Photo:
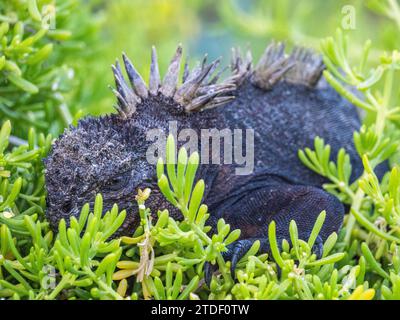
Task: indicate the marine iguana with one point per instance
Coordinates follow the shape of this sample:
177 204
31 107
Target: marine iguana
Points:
281 99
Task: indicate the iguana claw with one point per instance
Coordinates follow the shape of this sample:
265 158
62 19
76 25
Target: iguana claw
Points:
237 250
209 270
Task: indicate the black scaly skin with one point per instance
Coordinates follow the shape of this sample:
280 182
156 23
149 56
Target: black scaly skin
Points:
107 155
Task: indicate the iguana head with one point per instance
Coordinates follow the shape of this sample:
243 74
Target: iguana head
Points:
107 155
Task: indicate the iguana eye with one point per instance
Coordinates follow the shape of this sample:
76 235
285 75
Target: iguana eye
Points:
117 183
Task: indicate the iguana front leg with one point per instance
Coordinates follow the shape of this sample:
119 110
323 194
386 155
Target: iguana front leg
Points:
282 203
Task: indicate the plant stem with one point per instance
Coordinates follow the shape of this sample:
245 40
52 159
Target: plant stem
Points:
102 285
357 201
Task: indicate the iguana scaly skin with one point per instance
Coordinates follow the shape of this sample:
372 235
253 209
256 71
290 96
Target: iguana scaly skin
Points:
281 99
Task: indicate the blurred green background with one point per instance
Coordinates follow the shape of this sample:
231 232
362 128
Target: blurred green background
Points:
214 27
91 34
